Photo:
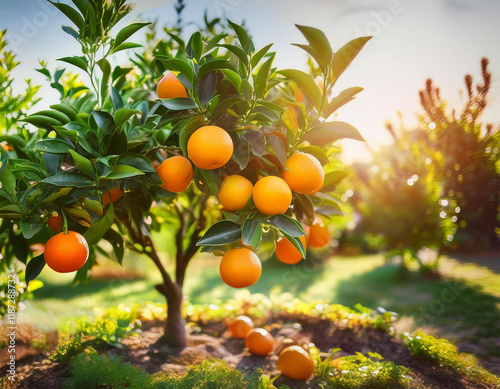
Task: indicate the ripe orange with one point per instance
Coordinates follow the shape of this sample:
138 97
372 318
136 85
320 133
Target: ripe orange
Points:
66 253
55 223
240 268
286 251
176 173
210 147
234 192
305 174
294 362
112 195
240 326
272 195
259 341
169 87
318 236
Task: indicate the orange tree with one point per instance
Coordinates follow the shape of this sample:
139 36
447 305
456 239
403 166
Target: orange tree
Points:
221 124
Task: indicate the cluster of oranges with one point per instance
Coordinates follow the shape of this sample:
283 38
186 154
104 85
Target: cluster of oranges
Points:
293 362
211 147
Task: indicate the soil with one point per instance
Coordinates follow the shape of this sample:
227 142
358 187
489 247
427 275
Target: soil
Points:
34 370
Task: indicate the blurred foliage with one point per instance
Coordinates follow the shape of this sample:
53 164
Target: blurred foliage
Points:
12 106
12 294
442 352
465 154
431 182
361 372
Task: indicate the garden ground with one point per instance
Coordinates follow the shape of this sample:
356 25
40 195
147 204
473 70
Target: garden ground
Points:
463 306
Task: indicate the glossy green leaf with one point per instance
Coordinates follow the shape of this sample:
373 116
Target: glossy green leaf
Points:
343 98
116 241
71 13
262 77
34 268
241 33
105 78
123 114
123 171
221 233
95 233
69 179
179 103
286 224
79 62
259 55
251 232
82 164
54 146
29 228
127 32
126 46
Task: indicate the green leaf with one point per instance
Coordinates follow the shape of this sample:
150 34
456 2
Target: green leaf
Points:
116 100
42 121
221 233
213 42
316 152
34 268
240 54
259 55
328 132
126 46
346 54
286 224
104 120
123 171
71 31
95 233
206 88
319 44
252 232
296 243
106 77
69 179
71 13
123 114
194 47
138 161
241 153
217 64
30 228
179 103
246 42
343 98
83 164
177 64
306 82
262 77
127 32
278 148
8 180
234 77
79 62
54 146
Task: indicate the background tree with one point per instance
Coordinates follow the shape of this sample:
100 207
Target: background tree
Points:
89 168
465 153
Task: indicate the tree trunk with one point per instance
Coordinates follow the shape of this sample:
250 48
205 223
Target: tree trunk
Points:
175 326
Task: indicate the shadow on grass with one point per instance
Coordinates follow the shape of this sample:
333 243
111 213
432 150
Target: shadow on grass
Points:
452 306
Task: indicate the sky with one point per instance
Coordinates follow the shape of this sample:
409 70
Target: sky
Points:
413 40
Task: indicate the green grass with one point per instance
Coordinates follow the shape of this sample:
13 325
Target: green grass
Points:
466 307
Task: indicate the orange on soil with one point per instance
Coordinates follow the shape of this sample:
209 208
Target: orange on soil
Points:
318 236
259 341
176 173
169 87
210 147
286 251
112 195
234 192
305 174
55 223
240 268
272 195
239 326
294 362
66 253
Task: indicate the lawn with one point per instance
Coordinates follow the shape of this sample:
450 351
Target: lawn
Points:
464 305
